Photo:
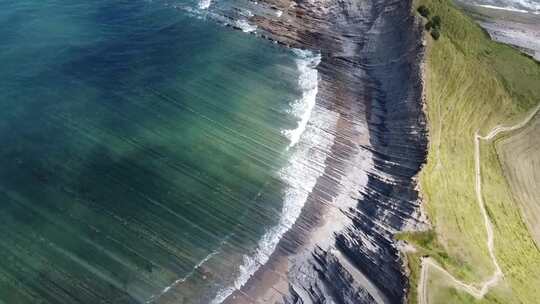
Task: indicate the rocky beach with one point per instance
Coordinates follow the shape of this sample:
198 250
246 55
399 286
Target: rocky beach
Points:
342 248
517 27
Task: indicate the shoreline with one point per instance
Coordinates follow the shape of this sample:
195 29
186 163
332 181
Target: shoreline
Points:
342 245
516 28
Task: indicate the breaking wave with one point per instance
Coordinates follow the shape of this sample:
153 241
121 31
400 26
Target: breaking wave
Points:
205 4
308 143
245 26
308 83
305 165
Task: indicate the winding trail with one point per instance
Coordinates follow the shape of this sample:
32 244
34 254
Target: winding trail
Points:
427 262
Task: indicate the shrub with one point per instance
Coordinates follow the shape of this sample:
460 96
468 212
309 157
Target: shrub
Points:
435 33
423 10
428 25
436 22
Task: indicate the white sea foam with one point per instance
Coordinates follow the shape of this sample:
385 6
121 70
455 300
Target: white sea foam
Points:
183 279
306 164
245 12
245 26
204 4
305 167
308 80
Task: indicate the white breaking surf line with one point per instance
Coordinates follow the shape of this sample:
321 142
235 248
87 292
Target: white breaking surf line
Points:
427 262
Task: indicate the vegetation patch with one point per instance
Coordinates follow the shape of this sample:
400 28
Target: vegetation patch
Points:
472 84
433 25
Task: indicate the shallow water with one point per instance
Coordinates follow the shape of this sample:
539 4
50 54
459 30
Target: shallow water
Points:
145 150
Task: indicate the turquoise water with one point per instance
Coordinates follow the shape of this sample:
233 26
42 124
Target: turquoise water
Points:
141 150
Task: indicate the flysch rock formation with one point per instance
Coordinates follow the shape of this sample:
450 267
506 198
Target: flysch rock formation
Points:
342 248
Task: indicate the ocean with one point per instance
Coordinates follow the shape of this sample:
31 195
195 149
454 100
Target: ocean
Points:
150 154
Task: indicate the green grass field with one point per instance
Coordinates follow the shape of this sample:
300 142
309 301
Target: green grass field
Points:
520 156
473 83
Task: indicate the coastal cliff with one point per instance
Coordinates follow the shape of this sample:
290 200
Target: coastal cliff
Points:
342 248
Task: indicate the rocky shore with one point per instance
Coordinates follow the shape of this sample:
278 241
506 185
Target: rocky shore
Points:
342 249
517 28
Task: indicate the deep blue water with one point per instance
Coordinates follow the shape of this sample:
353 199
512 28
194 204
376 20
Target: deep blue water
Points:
137 141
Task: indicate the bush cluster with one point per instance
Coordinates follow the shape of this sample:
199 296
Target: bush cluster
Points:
423 11
434 25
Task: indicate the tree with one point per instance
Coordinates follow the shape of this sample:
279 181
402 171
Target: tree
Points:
423 11
428 25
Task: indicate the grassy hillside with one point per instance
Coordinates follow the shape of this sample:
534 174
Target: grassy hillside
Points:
520 157
473 83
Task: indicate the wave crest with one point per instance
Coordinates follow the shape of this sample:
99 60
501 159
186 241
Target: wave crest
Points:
305 166
308 82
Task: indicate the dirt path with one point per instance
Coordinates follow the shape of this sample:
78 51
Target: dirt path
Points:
427 262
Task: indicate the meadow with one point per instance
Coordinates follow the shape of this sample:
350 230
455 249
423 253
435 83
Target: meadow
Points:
472 84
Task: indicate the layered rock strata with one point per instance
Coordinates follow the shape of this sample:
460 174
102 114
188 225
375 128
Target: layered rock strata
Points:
342 249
